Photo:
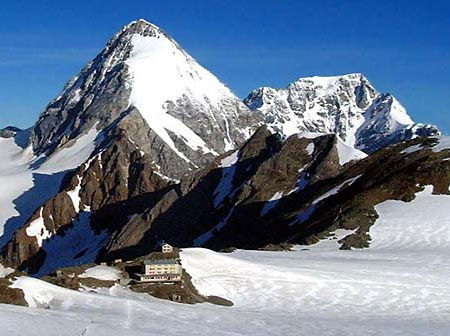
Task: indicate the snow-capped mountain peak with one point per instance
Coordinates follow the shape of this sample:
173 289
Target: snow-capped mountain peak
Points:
161 72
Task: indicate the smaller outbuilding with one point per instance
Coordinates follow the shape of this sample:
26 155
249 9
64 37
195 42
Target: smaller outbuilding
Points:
166 248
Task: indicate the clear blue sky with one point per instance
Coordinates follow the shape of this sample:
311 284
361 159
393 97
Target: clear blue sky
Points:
403 47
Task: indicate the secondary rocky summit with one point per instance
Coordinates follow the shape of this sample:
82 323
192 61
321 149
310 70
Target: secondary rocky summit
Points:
347 105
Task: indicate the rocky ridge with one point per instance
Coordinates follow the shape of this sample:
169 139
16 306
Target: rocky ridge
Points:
275 192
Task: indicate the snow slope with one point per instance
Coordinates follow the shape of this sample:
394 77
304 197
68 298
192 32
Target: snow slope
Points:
64 251
15 178
399 286
162 72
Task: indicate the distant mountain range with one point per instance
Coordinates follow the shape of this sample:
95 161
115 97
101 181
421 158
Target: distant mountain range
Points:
145 145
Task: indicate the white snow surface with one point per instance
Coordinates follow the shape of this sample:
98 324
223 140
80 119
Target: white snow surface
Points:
102 272
15 178
399 286
422 225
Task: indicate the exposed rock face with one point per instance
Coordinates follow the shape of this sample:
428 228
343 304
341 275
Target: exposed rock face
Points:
348 106
10 295
176 111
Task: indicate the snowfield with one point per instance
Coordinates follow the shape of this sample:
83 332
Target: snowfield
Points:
399 286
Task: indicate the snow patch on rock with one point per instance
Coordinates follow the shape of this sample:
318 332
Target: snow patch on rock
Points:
336 189
225 186
5 271
271 203
37 229
75 196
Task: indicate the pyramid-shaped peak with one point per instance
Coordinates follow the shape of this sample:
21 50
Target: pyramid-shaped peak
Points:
145 77
140 27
